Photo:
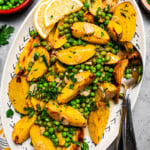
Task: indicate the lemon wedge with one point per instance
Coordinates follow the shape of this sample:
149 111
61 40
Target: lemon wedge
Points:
39 20
57 9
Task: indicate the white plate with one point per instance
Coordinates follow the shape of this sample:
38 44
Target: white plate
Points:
112 128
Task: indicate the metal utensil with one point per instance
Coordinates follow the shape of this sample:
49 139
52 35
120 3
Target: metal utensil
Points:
126 126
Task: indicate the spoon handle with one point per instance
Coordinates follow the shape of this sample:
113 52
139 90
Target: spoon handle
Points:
130 140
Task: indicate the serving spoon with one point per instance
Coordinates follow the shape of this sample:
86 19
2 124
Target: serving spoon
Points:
126 132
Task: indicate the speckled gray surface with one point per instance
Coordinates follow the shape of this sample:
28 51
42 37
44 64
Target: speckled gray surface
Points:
141 112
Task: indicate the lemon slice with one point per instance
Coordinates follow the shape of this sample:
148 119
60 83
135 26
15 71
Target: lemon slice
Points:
57 9
39 20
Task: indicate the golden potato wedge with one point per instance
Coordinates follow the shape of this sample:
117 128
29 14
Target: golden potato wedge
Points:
23 61
21 130
115 30
66 114
114 59
37 103
83 80
40 66
50 38
105 91
59 41
76 54
90 33
50 77
59 68
78 137
94 6
89 16
39 141
118 74
19 99
110 5
127 19
97 122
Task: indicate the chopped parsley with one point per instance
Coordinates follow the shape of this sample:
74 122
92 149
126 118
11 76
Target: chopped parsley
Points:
122 14
71 86
9 113
85 146
102 34
148 1
45 61
51 16
124 10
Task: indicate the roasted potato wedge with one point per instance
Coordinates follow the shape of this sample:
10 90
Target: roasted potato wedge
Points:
94 6
59 41
78 137
97 122
50 77
66 114
118 74
127 19
22 64
114 59
22 128
90 33
40 66
39 141
115 30
110 5
50 38
105 91
59 68
19 99
76 54
83 80
37 103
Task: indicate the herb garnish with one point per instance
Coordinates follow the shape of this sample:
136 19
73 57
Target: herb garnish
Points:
5 33
122 14
45 61
9 113
85 146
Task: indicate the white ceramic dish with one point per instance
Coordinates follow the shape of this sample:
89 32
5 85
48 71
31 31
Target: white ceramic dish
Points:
112 128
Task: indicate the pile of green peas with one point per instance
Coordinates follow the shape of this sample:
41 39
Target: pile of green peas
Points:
51 127
9 4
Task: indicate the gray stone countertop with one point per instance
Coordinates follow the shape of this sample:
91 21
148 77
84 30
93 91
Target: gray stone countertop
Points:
141 111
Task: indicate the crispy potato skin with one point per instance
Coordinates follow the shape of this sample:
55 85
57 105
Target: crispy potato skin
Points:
59 41
118 74
39 67
39 141
83 80
59 68
114 30
35 102
105 91
66 114
114 59
99 36
18 99
97 122
76 54
22 128
22 64
127 19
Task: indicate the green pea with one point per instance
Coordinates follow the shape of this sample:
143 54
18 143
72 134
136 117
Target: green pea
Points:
98 74
56 123
85 19
53 84
77 105
74 43
98 66
55 141
80 42
44 43
83 105
71 16
66 144
103 74
93 100
21 1
108 58
60 28
9 4
68 35
60 128
66 20
93 70
67 45
49 124
103 53
70 40
73 102
92 94
128 71
61 75
81 13
46 134
68 139
107 17
103 14
30 64
61 33
36 44
84 8
45 84
75 19
94 61
64 134
74 70
66 31
94 88
99 61
81 110
53 136
128 76
71 21
51 130
111 70
12 2
106 22
66 129
87 67
1 2
114 51
82 66
5 7
86 5
78 66
74 107
32 33
29 68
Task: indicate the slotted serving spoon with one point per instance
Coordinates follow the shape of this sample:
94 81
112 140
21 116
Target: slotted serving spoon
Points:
126 137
